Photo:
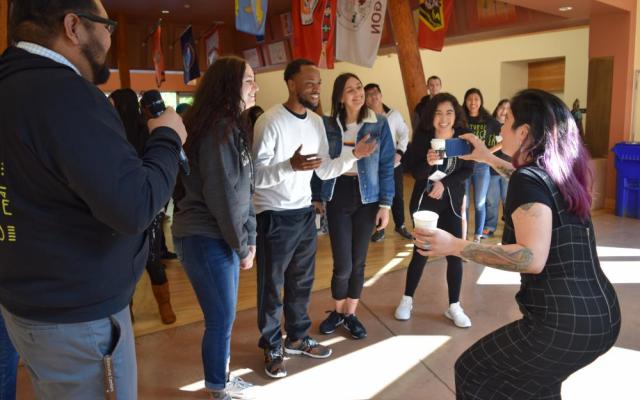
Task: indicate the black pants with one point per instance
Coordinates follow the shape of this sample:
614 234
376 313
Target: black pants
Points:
350 227
154 266
397 207
286 246
451 223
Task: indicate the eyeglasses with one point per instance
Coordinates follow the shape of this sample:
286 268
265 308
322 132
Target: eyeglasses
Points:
109 24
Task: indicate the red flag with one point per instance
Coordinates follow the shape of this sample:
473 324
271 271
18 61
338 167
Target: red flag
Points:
314 30
158 57
434 22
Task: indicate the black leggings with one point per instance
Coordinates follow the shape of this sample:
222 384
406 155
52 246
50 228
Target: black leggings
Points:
451 223
350 227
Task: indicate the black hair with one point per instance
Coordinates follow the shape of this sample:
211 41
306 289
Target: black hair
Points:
426 119
370 86
38 21
494 114
483 113
126 103
294 66
337 108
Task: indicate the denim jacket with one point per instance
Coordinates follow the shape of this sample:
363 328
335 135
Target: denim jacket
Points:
375 173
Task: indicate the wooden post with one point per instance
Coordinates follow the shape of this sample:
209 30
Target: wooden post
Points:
4 24
404 31
122 54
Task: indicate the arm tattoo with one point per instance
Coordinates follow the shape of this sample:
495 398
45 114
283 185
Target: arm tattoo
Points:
497 257
505 171
527 206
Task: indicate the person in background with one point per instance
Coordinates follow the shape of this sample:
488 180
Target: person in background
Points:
400 135
290 145
80 200
576 112
126 103
182 109
357 201
570 311
215 227
251 115
498 184
443 119
434 86
488 129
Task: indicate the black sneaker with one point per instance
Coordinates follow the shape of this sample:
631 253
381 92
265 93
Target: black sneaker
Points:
404 232
274 363
306 347
329 325
377 236
355 327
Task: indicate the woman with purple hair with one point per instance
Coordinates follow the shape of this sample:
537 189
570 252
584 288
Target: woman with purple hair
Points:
571 314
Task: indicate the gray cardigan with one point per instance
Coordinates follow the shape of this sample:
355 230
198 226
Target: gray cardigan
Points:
218 199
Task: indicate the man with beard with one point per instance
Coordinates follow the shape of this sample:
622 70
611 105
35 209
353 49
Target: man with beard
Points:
286 242
75 200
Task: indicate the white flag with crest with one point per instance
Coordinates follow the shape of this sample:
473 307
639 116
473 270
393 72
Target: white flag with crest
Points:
359 30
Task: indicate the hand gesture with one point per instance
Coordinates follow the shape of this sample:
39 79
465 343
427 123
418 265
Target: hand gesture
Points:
306 162
382 218
437 190
437 241
170 119
365 147
480 152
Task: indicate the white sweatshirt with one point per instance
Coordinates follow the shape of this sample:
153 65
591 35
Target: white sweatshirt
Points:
277 135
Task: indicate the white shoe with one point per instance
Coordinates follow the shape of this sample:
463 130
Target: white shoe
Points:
457 315
403 312
238 388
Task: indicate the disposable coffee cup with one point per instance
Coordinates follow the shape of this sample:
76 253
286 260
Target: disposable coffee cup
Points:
439 146
424 220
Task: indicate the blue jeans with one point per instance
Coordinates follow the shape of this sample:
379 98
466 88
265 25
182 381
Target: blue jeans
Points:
213 269
480 180
497 192
8 365
66 361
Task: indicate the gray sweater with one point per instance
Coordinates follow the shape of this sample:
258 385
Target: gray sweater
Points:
218 199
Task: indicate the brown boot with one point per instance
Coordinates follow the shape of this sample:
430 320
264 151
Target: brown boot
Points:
163 298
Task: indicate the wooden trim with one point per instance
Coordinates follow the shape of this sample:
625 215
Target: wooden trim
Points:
4 24
547 75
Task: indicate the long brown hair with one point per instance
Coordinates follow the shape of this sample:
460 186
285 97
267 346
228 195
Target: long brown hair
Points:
218 97
337 108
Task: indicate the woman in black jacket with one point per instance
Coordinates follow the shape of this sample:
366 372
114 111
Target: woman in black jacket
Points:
443 119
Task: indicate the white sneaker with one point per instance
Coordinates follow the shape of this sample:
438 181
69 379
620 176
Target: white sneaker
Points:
457 315
403 312
238 388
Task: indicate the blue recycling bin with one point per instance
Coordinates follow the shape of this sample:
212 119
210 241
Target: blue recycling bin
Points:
628 179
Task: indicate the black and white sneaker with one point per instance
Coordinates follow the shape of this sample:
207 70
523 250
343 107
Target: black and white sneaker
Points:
355 327
333 321
274 363
306 347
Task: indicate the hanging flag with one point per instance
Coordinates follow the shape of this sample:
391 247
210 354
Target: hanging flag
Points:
212 45
314 29
190 66
359 30
156 53
434 22
251 16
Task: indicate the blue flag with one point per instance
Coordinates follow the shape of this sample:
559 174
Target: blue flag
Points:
251 16
191 67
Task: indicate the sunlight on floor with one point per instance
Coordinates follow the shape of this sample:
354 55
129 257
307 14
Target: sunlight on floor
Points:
387 268
320 382
598 381
623 271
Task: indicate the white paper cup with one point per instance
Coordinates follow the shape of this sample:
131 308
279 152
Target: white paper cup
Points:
425 220
439 146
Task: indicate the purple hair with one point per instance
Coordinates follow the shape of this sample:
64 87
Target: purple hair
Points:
554 145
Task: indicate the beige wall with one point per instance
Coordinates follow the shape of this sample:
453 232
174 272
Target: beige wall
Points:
478 64
635 126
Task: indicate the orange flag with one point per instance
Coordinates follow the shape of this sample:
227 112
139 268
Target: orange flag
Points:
158 57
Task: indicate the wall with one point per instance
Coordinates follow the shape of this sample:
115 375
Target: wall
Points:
636 107
513 77
462 66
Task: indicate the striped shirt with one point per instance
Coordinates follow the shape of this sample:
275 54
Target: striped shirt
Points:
48 53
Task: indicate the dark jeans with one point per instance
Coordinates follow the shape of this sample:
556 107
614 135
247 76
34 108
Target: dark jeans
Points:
497 192
154 266
450 222
350 227
397 207
213 269
8 365
286 254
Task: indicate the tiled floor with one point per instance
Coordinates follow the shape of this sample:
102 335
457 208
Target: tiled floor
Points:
403 360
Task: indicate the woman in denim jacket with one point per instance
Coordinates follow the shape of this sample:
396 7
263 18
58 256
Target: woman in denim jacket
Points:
357 201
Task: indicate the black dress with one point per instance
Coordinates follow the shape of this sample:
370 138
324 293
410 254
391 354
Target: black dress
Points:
571 314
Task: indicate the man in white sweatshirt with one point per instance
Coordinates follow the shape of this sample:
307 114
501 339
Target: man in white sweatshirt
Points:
290 143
